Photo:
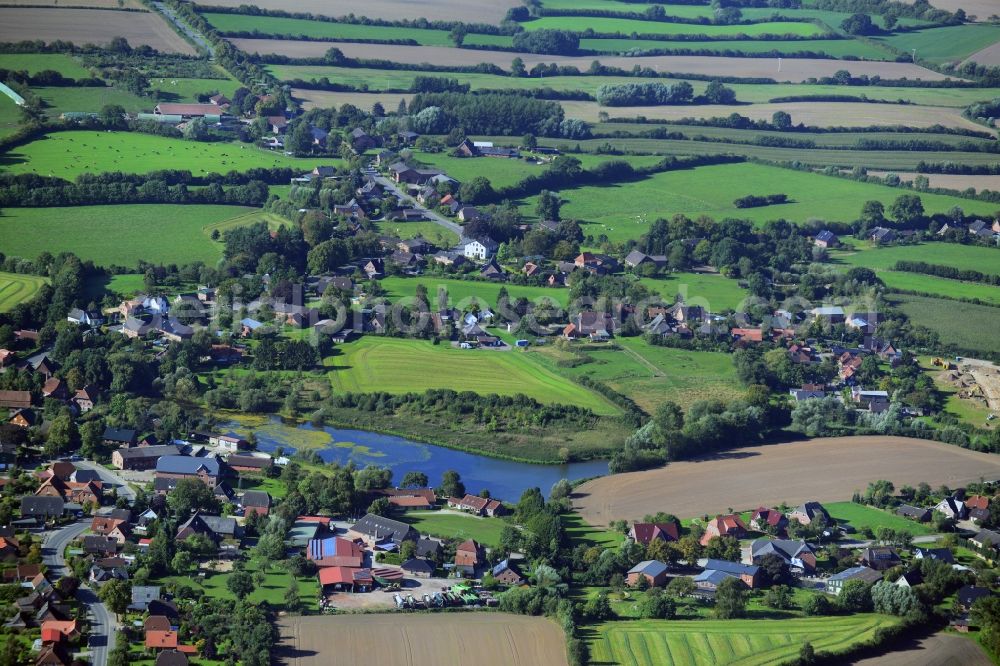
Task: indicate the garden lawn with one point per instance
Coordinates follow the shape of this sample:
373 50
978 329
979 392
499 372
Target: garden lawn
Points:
68 154
397 365
624 211
946 44
272 591
601 25
746 642
579 532
429 231
33 63
861 516
456 526
16 288
711 290
121 235
963 325
964 257
265 25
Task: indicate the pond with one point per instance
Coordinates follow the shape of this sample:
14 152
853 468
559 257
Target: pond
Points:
503 478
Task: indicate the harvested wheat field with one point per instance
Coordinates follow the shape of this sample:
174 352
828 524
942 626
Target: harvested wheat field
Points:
795 70
467 11
936 650
980 9
825 470
990 56
814 114
90 26
322 99
493 639
96 4
949 181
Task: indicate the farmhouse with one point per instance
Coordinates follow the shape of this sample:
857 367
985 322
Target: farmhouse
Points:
207 111
879 559
230 442
808 512
255 502
334 552
142 457
720 526
469 555
15 399
249 463
382 532
185 467
826 239
653 571
917 513
507 573
952 508
647 533
835 583
716 570
119 437
798 555
480 506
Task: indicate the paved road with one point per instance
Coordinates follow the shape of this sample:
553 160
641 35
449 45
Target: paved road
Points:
410 201
110 478
185 28
102 624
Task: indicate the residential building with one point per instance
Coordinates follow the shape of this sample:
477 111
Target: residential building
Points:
142 457
418 568
647 533
334 552
481 506
256 502
809 512
952 508
206 470
479 248
716 570
653 571
731 525
382 532
835 583
919 514
469 556
770 521
346 579
507 573
797 554
880 558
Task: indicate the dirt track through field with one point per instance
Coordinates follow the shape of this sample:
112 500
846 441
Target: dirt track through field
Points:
825 470
395 639
466 11
90 26
795 70
936 650
813 114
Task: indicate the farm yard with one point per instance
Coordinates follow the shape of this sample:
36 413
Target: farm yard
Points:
402 366
16 288
497 639
116 235
823 470
692 642
93 26
68 154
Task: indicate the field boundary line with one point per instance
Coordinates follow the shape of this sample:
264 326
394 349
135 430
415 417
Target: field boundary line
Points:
645 361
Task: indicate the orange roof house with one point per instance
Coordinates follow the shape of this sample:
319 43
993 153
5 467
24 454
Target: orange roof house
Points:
55 631
720 526
161 640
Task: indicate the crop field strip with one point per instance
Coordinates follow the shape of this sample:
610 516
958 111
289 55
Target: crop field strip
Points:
795 70
95 26
961 324
466 11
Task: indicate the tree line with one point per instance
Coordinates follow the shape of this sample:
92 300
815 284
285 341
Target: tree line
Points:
950 272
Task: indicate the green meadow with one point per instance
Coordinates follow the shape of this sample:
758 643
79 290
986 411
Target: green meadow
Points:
404 365
266 25
456 526
860 517
930 284
10 116
745 642
964 257
947 44
429 231
16 288
957 323
33 63
835 48
68 154
462 292
119 235
276 582
623 211
715 292
603 25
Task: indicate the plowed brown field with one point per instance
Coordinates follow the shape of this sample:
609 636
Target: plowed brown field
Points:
90 26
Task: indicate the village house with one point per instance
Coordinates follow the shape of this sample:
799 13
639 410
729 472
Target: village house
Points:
986 540
798 555
207 470
978 507
952 508
808 512
119 437
942 554
15 399
826 239
469 556
418 568
647 533
42 507
653 571
919 514
507 573
479 248
717 571
880 558
407 499
229 442
731 525
86 397
142 457
256 502
835 583
334 552
771 521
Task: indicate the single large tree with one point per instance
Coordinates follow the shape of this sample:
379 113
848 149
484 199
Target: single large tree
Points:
730 599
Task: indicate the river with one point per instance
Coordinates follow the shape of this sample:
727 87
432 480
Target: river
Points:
503 478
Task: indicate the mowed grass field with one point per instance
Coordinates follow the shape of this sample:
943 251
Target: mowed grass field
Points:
33 63
462 293
964 257
744 642
421 639
403 366
119 235
68 154
962 324
860 516
625 211
602 25
383 79
16 289
834 48
710 290
456 526
652 375
947 44
929 284
429 231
